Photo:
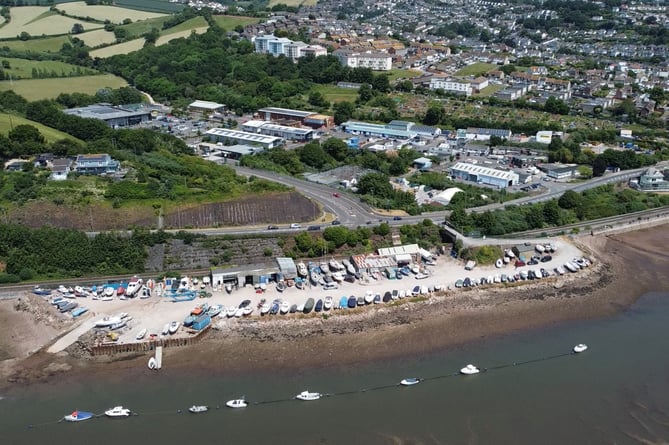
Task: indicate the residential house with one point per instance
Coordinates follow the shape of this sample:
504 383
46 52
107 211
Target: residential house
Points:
96 164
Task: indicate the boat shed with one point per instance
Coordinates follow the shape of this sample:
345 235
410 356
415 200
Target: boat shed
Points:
484 175
287 267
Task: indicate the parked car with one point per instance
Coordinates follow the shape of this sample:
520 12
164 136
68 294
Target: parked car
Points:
335 194
295 226
271 227
336 222
397 218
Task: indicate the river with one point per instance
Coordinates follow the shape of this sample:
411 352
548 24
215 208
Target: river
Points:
615 392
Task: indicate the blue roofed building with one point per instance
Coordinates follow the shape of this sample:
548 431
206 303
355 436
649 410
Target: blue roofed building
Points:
96 164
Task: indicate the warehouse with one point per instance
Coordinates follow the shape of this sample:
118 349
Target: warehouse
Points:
204 106
377 130
484 175
282 131
114 116
307 118
233 136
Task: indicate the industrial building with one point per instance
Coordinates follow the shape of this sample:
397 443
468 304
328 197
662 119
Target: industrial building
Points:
377 130
221 153
233 136
484 175
204 106
115 116
306 118
282 131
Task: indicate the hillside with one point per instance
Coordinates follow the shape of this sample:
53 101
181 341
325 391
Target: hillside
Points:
9 121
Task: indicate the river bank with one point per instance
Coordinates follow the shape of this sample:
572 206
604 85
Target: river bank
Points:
626 266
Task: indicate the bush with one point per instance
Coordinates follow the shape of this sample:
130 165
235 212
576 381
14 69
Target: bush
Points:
7 278
26 274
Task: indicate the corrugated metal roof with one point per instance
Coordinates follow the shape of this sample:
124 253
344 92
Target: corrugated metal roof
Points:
484 171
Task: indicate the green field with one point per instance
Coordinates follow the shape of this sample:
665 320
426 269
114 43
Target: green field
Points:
228 22
45 45
139 28
8 121
22 68
195 22
395 74
292 2
476 69
36 89
336 94
490 90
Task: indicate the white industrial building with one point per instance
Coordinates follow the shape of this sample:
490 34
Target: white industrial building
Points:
451 86
282 131
233 136
484 175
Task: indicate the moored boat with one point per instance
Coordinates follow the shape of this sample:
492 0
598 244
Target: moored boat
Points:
214 310
248 310
284 307
134 285
352 302
78 416
79 311
153 363
469 370
174 327
319 305
118 325
231 311
410 381
195 409
302 269
41 291
327 303
306 396
369 297
228 288
280 286
236 403
264 309
580 347
117 411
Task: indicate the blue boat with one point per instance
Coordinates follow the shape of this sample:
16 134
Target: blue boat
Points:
274 309
188 321
319 306
39 291
343 302
352 302
405 271
79 311
78 416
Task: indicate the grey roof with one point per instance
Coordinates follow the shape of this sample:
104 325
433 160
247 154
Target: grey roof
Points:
286 111
484 171
104 112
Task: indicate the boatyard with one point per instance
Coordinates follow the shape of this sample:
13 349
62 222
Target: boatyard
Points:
175 312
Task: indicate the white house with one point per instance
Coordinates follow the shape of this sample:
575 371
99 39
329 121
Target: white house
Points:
377 61
451 85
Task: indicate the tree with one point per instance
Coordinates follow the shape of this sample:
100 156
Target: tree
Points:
569 200
365 93
599 166
313 155
556 106
25 133
434 114
375 184
317 99
336 148
343 111
151 37
77 28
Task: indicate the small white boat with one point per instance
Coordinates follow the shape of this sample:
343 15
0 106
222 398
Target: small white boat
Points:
117 411
153 363
166 329
198 409
108 292
410 381
231 311
284 307
307 396
239 312
369 297
107 321
580 347
228 288
141 334
469 370
337 276
174 327
264 309
248 310
499 263
302 269
236 403
415 269
327 303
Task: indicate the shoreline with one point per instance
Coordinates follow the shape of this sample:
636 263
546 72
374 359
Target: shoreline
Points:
630 263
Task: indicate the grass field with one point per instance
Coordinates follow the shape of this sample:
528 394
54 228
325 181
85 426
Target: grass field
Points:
292 2
182 30
335 94
139 28
46 45
102 13
395 74
8 121
163 6
36 89
228 22
38 21
22 68
476 69
490 90
97 37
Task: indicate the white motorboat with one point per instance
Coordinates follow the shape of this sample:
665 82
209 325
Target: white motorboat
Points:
335 265
153 363
198 409
166 329
174 327
337 276
134 285
108 291
117 411
231 311
239 312
327 303
369 297
324 267
580 347
284 307
107 321
264 309
141 334
248 310
415 269
410 381
469 370
236 403
307 396
302 270
421 276
499 263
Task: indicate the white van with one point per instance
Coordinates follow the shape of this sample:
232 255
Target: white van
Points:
330 286
295 226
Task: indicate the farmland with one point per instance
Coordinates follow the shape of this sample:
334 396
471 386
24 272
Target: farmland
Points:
23 69
39 20
43 45
97 38
101 13
292 2
8 121
36 89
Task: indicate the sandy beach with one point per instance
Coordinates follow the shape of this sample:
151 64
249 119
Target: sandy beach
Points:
625 266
